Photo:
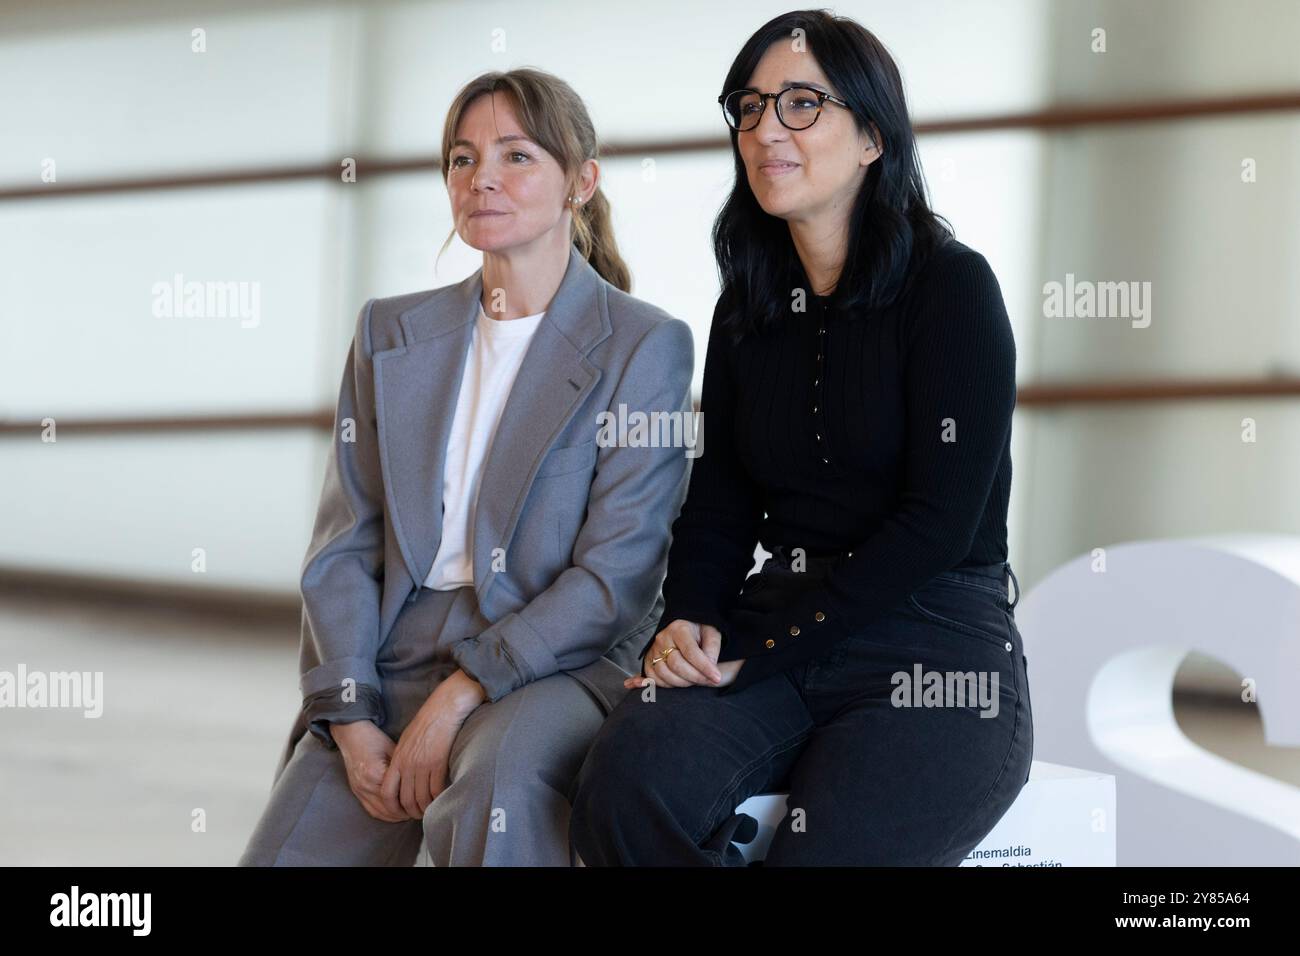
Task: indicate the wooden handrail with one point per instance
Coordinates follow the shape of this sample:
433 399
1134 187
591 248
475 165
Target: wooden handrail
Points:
1057 117
1032 396
1049 394
322 420
53 587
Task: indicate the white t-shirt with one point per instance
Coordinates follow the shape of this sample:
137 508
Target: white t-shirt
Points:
496 351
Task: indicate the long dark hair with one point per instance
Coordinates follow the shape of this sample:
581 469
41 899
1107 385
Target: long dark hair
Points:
556 119
891 226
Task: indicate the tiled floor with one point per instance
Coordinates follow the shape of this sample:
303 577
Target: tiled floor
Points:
195 714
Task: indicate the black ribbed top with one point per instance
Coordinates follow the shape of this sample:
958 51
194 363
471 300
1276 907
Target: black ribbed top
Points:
887 434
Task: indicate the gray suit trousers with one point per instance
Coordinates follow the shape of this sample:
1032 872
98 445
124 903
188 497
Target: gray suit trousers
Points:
510 775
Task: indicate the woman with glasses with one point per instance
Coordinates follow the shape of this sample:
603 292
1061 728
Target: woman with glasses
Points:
859 383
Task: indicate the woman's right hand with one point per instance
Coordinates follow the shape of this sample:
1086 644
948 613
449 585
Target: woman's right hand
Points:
367 751
694 661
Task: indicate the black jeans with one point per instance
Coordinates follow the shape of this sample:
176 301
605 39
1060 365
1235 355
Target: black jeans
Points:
882 767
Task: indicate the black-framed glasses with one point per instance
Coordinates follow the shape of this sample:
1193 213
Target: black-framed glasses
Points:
797 107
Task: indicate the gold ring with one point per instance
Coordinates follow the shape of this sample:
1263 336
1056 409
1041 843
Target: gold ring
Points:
663 657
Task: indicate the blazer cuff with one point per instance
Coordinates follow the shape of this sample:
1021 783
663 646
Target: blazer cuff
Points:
775 641
328 707
506 656
331 675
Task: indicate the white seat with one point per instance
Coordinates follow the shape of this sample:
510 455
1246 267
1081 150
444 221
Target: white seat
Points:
1063 817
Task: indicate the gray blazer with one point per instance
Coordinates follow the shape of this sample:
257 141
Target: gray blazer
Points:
584 529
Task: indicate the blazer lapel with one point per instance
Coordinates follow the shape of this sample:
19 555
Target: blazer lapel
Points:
553 381
416 387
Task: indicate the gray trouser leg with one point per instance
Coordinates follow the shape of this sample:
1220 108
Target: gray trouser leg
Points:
313 818
511 777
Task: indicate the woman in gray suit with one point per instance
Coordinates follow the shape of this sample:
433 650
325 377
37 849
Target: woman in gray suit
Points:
487 557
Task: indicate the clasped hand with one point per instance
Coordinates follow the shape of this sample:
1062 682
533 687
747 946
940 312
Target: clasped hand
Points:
692 658
396 782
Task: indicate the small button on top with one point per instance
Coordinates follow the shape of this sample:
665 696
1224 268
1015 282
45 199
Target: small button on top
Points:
794 630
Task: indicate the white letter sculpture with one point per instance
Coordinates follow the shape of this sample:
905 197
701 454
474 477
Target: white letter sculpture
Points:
1103 648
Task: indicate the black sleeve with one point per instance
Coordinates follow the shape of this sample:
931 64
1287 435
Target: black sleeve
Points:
716 533
959 386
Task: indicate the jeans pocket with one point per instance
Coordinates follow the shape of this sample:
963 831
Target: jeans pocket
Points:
970 609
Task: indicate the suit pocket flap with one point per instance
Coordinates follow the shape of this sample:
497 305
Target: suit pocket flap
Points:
567 459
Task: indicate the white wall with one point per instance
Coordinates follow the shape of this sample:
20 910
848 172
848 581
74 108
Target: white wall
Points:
116 92
1165 203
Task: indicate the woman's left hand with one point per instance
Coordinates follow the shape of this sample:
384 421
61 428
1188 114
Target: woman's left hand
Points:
728 670
417 771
